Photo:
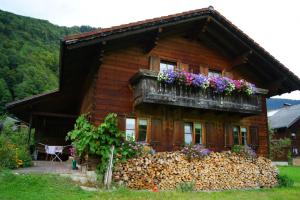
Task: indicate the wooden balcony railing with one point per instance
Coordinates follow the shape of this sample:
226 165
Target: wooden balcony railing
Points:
146 89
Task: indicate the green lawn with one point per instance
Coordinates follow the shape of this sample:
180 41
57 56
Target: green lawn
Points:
27 187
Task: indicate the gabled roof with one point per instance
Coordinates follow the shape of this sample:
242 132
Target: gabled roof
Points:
228 35
285 117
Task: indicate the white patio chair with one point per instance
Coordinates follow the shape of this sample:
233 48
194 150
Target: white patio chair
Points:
54 152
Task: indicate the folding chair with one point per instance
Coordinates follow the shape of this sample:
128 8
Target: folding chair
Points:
54 152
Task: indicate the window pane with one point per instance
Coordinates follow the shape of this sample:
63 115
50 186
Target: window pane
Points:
142 130
235 132
130 123
188 129
165 65
244 136
130 135
188 138
214 73
198 133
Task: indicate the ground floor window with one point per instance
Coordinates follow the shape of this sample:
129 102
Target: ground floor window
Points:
243 136
142 130
136 129
130 129
239 135
198 133
193 133
188 133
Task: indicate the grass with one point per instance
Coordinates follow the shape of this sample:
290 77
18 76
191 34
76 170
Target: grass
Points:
35 186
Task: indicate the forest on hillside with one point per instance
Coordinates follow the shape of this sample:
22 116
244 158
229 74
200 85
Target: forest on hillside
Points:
29 55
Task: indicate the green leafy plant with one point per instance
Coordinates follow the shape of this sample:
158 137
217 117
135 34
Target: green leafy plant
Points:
97 141
236 149
278 147
244 150
14 147
285 181
186 186
129 149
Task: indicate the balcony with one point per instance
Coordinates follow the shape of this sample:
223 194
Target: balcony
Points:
146 89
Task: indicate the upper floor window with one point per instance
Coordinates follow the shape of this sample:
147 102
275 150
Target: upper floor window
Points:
214 73
167 65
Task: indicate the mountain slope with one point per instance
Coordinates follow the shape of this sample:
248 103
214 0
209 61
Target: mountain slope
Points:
29 54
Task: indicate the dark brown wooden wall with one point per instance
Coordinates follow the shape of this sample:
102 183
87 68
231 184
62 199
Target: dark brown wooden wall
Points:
112 92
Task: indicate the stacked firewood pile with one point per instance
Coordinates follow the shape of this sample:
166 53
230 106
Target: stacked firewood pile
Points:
218 171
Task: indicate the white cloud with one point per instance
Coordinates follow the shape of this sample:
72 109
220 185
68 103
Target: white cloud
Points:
273 24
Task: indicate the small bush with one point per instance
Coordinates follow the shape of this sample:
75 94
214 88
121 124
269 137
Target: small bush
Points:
245 151
14 147
186 186
129 149
285 181
195 151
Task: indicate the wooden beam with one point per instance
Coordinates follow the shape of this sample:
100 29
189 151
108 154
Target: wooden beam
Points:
48 114
241 60
30 127
197 28
211 42
204 28
153 41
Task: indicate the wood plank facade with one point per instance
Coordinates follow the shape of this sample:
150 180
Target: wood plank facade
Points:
165 123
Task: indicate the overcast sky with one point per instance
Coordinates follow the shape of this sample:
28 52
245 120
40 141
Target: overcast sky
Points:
275 25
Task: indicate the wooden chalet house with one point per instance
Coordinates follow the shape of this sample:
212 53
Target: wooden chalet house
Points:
115 70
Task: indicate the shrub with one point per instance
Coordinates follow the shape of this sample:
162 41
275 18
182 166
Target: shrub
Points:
14 147
129 149
91 140
278 146
195 151
284 181
245 151
186 186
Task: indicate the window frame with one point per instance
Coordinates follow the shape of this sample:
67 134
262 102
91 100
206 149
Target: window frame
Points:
192 132
138 129
134 129
214 72
193 122
240 134
167 62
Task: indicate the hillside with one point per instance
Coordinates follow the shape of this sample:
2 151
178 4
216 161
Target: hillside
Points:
29 54
273 103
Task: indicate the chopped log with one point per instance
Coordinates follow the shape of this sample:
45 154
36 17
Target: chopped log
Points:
218 171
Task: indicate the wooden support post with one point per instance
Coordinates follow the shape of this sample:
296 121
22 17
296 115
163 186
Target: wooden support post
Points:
30 126
108 174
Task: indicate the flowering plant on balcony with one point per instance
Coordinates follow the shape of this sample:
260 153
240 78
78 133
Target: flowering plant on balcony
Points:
219 85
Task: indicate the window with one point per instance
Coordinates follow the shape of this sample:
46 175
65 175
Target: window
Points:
198 133
235 133
239 135
214 73
130 129
167 65
143 124
243 135
188 131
